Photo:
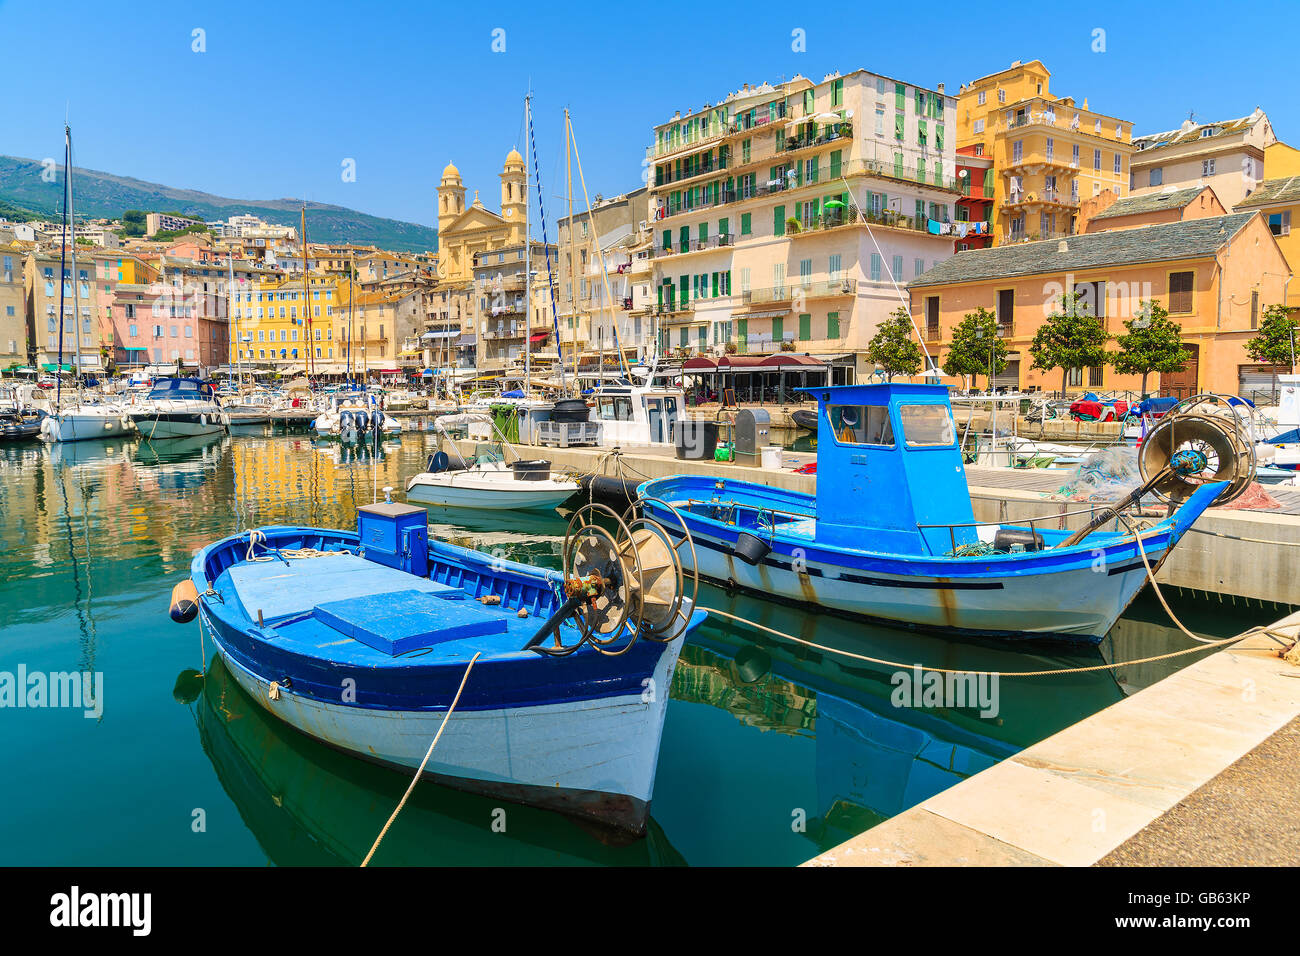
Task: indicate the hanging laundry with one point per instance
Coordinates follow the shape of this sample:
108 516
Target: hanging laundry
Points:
945 229
962 229
932 226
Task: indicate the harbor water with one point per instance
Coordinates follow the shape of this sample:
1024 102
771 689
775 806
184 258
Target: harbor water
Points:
772 751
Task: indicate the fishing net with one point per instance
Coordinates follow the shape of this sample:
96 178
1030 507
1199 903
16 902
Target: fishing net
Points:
1254 498
1107 475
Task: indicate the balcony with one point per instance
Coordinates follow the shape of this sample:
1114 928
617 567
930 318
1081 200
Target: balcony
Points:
1006 329
932 333
1041 197
819 289
704 169
696 245
841 130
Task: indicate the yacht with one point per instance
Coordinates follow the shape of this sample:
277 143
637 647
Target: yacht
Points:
179 408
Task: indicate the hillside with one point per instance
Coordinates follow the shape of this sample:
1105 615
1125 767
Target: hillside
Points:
104 195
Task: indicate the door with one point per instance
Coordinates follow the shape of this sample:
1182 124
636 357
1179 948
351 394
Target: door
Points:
670 416
1182 384
654 414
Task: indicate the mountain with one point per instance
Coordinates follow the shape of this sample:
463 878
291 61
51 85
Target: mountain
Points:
100 195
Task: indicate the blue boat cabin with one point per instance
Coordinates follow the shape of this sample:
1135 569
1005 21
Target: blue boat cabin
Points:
888 462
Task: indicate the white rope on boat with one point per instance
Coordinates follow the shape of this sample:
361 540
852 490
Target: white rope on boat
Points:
429 753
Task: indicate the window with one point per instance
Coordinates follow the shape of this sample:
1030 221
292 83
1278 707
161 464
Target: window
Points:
1006 307
778 221
805 327
1002 96
880 121
979 123
932 315
1279 223
1017 150
981 98
1207 167
898 268
1074 377
861 424
1119 164
1156 176
1094 376
926 425
1096 159
1181 286
875 267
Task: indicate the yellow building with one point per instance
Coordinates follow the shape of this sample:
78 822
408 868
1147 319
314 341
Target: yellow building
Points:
270 325
372 326
1048 154
1278 198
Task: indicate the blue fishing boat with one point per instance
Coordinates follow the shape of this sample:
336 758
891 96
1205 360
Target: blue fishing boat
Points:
891 533
362 639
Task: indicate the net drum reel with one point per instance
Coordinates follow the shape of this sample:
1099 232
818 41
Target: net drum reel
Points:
619 586
1201 440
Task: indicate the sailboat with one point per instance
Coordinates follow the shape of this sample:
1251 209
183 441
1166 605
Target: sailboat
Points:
84 419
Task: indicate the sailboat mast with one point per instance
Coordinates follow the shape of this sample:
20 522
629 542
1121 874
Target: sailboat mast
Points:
310 365
230 312
352 271
528 267
573 264
63 267
72 253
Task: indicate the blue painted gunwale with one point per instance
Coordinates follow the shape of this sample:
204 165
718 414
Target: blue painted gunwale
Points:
504 677
923 571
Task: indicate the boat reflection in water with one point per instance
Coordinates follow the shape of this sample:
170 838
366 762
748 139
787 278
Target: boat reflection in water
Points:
874 759
308 804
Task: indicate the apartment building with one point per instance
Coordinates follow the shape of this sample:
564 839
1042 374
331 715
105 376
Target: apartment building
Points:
1049 154
371 328
1227 155
279 323
13 309
1214 274
786 217
1277 198
80 301
604 280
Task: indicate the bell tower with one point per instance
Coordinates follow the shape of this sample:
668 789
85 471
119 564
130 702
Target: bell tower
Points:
514 199
451 197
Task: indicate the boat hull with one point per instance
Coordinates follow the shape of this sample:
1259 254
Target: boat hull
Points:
502 498
594 759
75 427
177 424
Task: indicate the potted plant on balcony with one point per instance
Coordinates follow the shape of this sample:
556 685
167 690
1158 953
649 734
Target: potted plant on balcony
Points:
730 348
787 345
793 226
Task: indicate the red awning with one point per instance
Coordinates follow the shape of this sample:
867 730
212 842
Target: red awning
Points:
539 337
805 361
699 365
730 362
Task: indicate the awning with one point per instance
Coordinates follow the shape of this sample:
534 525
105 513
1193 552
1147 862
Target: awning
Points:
699 365
732 362
539 337
790 359
770 314
466 340
52 367
447 334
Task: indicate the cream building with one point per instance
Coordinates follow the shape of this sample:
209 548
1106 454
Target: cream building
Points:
784 216
13 311
1227 156
80 306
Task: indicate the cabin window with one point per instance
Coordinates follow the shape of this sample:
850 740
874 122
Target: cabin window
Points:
926 425
861 424
616 408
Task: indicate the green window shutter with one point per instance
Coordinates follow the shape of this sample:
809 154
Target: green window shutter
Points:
742 334
920 103
898 126
900 97
814 208
703 336
808 101
726 280
778 330
660 290
832 325
938 172
837 93
938 136
668 238
683 290
813 175
745 224
722 227
805 327
778 221
884 202
988 183
920 170
715 285
835 164
920 210
921 130
704 232
684 238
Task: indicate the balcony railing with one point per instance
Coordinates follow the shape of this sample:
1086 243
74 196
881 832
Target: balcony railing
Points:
812 289
696 245
932 333
1005 329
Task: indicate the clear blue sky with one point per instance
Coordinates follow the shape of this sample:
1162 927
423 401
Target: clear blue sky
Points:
287 90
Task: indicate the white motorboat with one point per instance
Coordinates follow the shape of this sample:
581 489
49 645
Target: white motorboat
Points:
179 408
87 420
354 416
487 482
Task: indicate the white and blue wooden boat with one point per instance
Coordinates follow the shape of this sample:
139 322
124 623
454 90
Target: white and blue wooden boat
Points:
361 639
891 535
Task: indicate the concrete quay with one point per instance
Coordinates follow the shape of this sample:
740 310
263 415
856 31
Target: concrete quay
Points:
1151 780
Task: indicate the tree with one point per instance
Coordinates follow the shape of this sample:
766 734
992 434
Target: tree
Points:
1070 338
1153 344
1275 343
976 348
892 347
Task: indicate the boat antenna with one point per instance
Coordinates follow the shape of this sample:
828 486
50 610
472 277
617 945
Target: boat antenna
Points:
546 246
907 306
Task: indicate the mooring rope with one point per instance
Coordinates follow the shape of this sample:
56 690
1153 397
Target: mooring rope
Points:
1233 537
1281 638
429 753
